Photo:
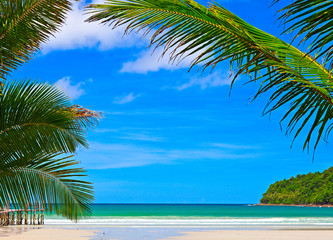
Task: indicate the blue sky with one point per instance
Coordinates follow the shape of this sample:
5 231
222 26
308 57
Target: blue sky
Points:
169 135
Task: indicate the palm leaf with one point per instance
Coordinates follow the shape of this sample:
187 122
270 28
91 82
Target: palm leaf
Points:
32 113
51 182
312 19
37 123
24 25
215 34
85 117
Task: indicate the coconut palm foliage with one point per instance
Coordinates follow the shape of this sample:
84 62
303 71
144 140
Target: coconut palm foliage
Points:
37 127
24 25
214 34
314 21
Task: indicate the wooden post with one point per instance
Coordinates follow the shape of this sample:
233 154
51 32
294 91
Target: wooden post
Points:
31 209
34 217
5 219
42 216
12 220
8 207
1 218
21 217
26 215
38 213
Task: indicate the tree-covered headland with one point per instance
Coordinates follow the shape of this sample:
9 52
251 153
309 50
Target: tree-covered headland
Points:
312 188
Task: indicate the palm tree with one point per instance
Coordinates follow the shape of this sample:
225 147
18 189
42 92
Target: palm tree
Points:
39 127
295 79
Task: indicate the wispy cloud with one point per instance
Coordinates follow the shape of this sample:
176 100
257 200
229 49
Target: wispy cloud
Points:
105 130
232 146
142 137
216 79
104 156
126 99
73 90
79 34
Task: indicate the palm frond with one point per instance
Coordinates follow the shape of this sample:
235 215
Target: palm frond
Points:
33 115
52 182
24 25
85 117
313 20
38 125
215 34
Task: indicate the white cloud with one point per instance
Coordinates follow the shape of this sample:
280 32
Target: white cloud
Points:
215 79
153 60
149 61
79 34
126 99
74 91
104 156
76 33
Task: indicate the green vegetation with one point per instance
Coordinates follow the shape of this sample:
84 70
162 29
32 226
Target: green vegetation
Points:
296 80
40 129
312 188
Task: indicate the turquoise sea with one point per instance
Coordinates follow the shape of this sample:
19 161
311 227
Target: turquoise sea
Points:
202 215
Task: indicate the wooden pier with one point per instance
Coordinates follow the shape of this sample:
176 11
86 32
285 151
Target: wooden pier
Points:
31 215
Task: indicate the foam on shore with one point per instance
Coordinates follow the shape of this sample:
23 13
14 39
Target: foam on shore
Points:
197 221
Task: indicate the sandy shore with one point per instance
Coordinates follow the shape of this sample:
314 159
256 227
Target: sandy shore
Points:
45 234
256 235
130 233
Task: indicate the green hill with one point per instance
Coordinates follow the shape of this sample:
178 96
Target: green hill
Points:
312 188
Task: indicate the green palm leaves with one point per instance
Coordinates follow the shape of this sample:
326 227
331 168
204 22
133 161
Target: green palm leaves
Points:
52 182
36 125
214 34
312 19
24 26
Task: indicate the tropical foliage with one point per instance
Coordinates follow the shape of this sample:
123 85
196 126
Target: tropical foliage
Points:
36 126
311 188
25 24
39 128
296 80
313 20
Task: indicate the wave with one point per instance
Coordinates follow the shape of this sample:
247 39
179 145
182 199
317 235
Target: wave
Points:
196 222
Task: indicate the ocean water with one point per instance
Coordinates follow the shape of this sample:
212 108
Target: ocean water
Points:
202 215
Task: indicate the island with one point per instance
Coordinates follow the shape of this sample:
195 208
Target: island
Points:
312 189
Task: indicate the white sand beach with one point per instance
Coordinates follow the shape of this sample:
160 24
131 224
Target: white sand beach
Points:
257 235
84 233
45 234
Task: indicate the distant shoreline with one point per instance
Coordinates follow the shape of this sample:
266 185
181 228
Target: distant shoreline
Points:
295 205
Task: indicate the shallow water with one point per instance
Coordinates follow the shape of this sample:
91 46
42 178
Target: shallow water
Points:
202 215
